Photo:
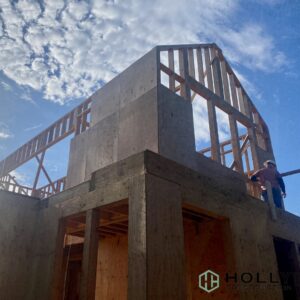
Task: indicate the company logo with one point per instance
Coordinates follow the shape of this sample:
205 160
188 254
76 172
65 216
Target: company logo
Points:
209 281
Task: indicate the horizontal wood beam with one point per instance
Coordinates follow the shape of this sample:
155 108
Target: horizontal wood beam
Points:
187 46
297 171
219 102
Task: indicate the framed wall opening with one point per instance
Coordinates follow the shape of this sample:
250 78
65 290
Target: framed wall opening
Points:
288 267
92 254
208 246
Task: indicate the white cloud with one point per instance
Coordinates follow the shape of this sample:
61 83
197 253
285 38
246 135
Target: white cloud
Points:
4 135
5 132
201 120
201 125
248 86
71 47
78 10
5 86
27 97
252 47
29 10
33 127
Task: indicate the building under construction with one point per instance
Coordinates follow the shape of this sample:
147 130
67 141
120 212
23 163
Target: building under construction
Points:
142 212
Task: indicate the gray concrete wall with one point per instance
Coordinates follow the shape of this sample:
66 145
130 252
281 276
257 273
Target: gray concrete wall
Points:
17 231
175 128
123 121
27 245
131 129
215 191
44 252
131 84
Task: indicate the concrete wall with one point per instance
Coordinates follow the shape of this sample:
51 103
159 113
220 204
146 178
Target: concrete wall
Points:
17 225
44 252
130 130
27 245
128 86
214 191
130 114
123 120
28 231
176 139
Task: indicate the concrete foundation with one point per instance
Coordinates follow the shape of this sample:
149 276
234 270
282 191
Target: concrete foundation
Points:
216 228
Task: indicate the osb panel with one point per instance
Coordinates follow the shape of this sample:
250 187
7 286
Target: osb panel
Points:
112 268
206 249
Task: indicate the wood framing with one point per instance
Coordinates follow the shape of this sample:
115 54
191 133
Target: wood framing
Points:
90 252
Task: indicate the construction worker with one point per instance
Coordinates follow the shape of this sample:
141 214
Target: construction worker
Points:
270 173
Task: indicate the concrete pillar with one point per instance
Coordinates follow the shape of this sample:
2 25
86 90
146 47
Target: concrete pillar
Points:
156 245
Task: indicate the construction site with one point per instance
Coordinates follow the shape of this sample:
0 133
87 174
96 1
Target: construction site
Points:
144 212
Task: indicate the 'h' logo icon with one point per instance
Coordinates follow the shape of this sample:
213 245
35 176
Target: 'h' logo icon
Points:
209 281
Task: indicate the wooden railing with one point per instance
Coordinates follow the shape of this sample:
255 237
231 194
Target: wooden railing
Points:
50 189
10 184
74 122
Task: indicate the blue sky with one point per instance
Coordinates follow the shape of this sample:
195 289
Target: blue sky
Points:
56 53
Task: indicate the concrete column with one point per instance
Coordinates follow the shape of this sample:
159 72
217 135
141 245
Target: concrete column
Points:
156 244
137 258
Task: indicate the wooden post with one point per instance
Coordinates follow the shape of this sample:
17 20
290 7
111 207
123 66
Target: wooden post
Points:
253 147
137 257
171 67
236 150
156 245
267 138
241 100
57 285
246 105
233 92
223 157
217 78
208 69
185 91
166 278
213 130
90 253
191 62
225 81
247 162
200 66
260 139
38 170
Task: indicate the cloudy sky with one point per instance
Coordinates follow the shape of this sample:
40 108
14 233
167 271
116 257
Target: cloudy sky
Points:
55 53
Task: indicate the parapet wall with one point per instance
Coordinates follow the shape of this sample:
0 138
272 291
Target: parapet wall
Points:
17 231
130 114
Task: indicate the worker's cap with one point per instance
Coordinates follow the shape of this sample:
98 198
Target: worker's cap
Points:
267 162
